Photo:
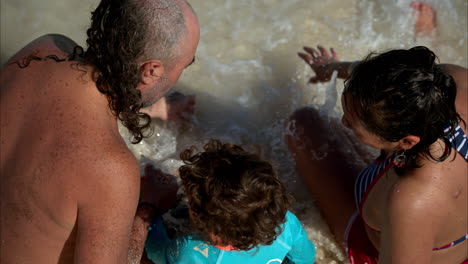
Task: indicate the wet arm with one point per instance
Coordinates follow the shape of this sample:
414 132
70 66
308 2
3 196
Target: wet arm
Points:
324 63
343 68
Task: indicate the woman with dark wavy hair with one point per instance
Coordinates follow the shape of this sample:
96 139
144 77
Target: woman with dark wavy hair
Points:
69 184
412 201
238 210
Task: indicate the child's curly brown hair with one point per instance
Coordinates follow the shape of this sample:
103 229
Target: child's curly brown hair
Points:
235 197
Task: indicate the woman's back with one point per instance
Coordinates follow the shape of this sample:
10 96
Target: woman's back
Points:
429 203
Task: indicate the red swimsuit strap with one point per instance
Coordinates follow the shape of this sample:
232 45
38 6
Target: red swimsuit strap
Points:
369 188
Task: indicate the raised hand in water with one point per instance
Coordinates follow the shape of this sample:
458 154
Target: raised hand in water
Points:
322 62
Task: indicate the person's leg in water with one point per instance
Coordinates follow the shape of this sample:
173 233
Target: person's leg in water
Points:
426 20
324 167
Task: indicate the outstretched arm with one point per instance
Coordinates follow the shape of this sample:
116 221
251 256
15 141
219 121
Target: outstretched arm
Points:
323 63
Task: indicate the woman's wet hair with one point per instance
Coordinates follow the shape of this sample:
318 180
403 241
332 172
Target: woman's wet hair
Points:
234 196
404 92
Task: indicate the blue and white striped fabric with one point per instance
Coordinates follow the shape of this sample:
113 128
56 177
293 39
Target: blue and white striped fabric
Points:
367 176
458 141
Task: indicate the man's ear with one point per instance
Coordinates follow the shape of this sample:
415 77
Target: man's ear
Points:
408 142
151 72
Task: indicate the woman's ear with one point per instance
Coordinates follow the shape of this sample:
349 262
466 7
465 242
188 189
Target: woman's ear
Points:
151 72
408 142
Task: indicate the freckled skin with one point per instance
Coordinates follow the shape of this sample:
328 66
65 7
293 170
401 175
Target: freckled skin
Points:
57 135
69 184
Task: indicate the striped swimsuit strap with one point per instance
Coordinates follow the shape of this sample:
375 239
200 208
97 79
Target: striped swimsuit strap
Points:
458 140
369 176
456 242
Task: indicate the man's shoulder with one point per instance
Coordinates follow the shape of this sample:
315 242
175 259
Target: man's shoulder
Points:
60 43
50 44
110 157
113 170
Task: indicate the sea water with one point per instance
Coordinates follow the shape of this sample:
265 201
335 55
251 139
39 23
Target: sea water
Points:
247 77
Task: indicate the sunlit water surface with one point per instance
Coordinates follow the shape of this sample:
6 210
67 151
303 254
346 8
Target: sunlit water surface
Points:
247 77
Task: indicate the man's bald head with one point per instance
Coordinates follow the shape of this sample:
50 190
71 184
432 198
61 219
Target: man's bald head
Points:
166 27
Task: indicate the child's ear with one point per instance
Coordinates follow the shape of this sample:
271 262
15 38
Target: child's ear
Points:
408 142
151 72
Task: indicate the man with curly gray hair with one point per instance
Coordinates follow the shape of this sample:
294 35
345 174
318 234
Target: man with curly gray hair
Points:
69 184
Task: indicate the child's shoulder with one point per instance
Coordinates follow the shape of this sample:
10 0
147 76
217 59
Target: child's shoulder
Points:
291 227
292 220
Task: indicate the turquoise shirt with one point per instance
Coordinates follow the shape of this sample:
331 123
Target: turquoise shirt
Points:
292 244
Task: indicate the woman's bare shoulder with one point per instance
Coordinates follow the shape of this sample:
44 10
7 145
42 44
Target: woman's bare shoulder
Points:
417 189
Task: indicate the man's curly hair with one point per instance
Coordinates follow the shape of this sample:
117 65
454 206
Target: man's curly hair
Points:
234 196
123 34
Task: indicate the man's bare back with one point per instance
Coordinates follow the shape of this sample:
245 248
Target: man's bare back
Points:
57 138
69 184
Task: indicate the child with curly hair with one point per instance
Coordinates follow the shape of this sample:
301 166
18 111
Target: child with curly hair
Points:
238 210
